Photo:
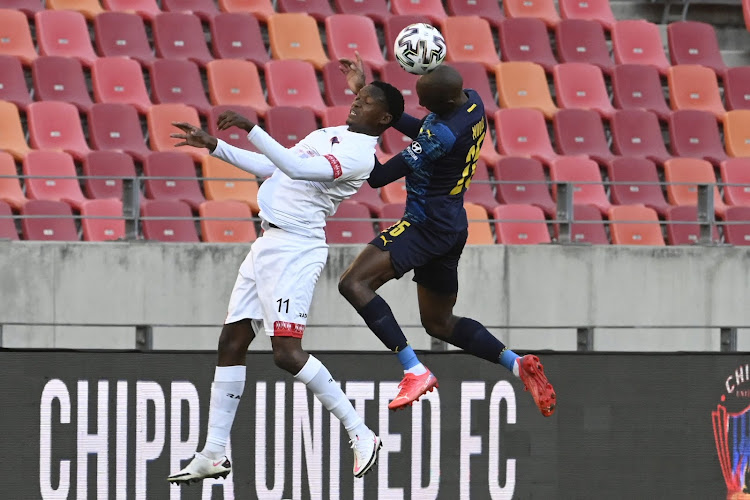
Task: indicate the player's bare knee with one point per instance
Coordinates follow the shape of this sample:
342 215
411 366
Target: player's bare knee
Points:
349 286
236 337
289 360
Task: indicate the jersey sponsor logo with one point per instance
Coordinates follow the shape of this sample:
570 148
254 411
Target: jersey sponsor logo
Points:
416 147
288 329
335 164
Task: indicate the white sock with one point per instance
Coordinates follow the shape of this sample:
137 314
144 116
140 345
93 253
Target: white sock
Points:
418 369
318 379
516 367
229 383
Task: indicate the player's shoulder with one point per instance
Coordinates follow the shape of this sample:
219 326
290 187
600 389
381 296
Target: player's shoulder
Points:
439 130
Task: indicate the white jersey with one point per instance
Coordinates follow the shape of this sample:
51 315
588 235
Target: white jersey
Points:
308 181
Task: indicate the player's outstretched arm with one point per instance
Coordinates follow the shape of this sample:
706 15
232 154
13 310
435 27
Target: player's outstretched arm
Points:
385 173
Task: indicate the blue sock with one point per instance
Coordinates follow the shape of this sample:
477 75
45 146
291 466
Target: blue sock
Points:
408 358
379 317
474 338
508 359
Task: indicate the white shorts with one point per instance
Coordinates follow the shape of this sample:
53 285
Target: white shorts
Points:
276 281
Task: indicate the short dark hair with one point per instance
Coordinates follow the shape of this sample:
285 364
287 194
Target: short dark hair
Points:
393 99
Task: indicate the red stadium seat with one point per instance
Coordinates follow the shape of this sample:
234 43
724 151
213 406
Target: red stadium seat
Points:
469 39
395 192
586 179
234 136
523 132
226 222
28 7
56 125
433 9
634 225
296 36
204 9
115 127
238 36
522 182
122 34
109 167
403 81
337 92
147 9
377 10
319 9
60 79
541 9
693 42
16 36
593 10
475 77
168 221
290 125
233 82
64 33
48 221
587 226
350 231
178 35
638 86
10 185
583 41
488 10
13 82
637 133
7 224
737 88
695 134
735 172
159 119
737 228
261 9
119 80
479 191
639 42
335 116
636 182
682 226
178 81
102 220
581 86
520 225
12 137
526 39
694 87
178 178
369 197
394 141
524 85
46 166
393 26
347 33
580 132
391 213
293 83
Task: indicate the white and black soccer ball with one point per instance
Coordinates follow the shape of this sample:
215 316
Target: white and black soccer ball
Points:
419 48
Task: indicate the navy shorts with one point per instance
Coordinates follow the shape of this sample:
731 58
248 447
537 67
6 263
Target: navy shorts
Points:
433 255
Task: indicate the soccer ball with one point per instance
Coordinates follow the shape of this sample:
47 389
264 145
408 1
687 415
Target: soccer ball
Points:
419 48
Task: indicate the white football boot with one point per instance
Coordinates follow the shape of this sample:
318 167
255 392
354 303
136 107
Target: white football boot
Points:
200 468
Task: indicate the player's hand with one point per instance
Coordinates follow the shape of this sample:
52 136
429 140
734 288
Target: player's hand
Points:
193 136
231 118
354 71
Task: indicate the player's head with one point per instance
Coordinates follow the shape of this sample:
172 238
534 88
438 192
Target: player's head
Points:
376 107
441 90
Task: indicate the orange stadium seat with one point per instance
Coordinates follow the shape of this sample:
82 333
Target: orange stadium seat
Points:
119 80
693 42
12 138
147 9
179 35
586 179
524 85
102 220
350 231
10 184
7 224
204 9
234 136
636 132
16 36
61 79
737 132
159 119
261 9
479 191
289 125
638 86
109 166
541 9
580 132
403 81
337 92
488 153
28 7
475 77
683 175
735 171
694 134
488 10
469 39
319 9
116 127
395 192
64 33
581 85
293 83
56 125
230 184
636 182
694 87
178 178
13 82
45 166
737 228
520 225
89 8
295 36
590 10
391 213
122 34
526 39
583 41
634 225
523 132
737 88
178 81
433 9
49 221
215 230
480 232
234 82
335 116
639 42
522 182
347 33
393 26
178 227
682 226
238 36
377 10
369 197
587 226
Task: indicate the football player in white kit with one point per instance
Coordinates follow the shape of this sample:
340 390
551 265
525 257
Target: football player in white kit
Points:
275 284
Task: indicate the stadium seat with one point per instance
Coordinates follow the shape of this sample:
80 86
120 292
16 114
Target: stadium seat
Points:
293 83
147 9
109 167
234 82
7 224
179 227
403 81
369 197
159 119
581 86
48 221
541 9
636 132
377 10
683 175
737 132
393 26
234 136
488 10
634 225
693 42
480 232
737 88
122 34
289 125
335 116
583 41
395 192
238 36
13 82
16 36
694 87
61 79
520 225
119 80
433 9
523 132
178 81
391 213
64 33
231 183
56 125
116 127
28 7
638 42
349 231
682 226
580 132
295 36
479 191
204 9
179 35
522 182
337 92
469 39
10 184
586 179
318 9
737 227
89 8
587 226
394 141
735 173
636 182
694 134
102 220
488 153
261 9
526 39
638 86
231 222
475 77
177 178
44 167
524 85
12 137
347 33
588 10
